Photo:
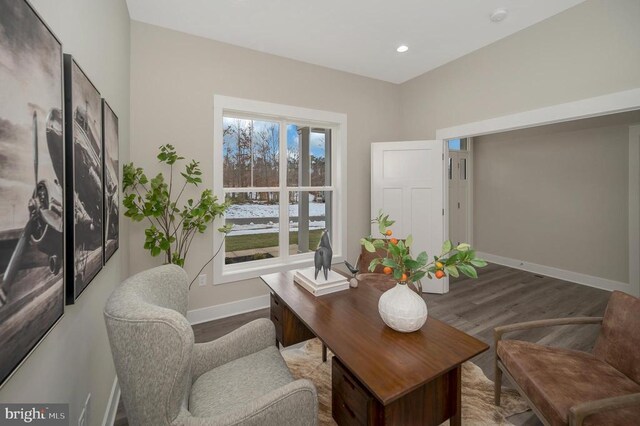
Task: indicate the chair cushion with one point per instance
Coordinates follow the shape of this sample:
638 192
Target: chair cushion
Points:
556 379
238 382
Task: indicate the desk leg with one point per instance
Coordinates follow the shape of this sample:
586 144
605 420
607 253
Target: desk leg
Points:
456 418
324 353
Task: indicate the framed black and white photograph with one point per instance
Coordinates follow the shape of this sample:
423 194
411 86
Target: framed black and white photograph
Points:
111 187
83 121
31 183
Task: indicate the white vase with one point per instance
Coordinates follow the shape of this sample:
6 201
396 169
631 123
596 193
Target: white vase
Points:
402 309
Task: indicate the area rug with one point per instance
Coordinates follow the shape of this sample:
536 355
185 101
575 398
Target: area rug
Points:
477 389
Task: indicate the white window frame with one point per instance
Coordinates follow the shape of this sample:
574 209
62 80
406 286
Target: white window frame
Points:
337 122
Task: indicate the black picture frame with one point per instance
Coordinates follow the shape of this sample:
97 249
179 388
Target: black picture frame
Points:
32 211
110 180
83 183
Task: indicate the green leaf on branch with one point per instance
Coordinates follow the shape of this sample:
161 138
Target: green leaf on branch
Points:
468 270
417 276
374 263
389 262
463 247
397 274
452 270
378 244
410 263
368 245
447 247
226 228
422 258
479 263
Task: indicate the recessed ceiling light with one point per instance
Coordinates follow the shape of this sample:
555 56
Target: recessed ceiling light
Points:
498 15
402 49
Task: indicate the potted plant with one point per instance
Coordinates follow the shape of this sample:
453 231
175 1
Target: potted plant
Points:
401 308
172 226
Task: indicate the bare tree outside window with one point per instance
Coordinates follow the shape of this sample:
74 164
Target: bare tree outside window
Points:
251 160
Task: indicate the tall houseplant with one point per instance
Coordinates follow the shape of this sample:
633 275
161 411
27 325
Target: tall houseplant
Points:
172 226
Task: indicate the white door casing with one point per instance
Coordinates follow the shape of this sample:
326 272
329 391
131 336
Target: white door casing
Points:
407 183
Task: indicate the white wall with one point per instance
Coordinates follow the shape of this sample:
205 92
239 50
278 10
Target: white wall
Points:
589 50
557 195
75 360
174 77
586 51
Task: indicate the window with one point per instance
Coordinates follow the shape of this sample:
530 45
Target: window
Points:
283 171
457 144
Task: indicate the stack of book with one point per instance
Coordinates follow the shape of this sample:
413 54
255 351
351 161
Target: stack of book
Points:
306 279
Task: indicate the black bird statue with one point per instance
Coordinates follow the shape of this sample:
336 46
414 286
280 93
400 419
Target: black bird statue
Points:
353 282
324 253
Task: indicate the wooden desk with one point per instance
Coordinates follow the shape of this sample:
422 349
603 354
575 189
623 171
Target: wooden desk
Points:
379 376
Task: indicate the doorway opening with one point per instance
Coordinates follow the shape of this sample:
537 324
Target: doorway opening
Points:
458 154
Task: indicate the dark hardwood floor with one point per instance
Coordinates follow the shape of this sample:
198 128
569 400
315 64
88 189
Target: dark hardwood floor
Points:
499 296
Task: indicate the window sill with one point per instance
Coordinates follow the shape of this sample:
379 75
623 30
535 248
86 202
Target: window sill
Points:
240 272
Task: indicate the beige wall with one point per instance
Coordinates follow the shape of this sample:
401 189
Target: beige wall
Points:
74 359
589 50
174 77
586 51
557 195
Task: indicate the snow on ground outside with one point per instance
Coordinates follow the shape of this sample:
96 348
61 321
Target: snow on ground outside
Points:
237 211
265 228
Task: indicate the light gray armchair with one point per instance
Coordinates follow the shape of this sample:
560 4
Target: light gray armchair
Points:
167 379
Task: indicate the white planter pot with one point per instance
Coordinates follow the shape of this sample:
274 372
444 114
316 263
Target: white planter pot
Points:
402 309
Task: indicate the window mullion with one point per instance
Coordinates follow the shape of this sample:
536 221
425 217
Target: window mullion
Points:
284 196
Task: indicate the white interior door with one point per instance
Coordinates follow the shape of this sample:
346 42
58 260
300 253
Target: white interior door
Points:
407 183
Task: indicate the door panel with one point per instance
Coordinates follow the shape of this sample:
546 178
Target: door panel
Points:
406 164
392 200
407 181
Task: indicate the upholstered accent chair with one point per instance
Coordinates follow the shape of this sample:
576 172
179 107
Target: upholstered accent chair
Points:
167 379
578 388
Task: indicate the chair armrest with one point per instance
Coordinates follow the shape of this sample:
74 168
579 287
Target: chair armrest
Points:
250 338
499 331
294 404
579 412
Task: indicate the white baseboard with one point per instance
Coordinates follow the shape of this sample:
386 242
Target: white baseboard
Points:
562 274
112 404
224 310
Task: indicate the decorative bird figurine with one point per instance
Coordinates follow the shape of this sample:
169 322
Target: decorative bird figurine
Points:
322 258
353 282
351 268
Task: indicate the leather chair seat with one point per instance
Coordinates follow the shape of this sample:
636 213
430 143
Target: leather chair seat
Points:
556 379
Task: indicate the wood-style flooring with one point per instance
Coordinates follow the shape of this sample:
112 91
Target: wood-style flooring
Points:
499 296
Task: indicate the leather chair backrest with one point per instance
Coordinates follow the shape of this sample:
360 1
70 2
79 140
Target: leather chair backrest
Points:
152 344
619 340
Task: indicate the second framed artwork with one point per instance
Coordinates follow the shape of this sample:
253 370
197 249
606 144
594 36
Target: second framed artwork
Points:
111 187
83 183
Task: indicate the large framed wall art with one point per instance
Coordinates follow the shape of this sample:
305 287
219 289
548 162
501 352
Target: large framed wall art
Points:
111 187
32 267
84 200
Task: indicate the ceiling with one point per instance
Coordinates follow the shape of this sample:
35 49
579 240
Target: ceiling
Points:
357 36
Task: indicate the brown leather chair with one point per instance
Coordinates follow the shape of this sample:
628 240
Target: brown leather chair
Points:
564 386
